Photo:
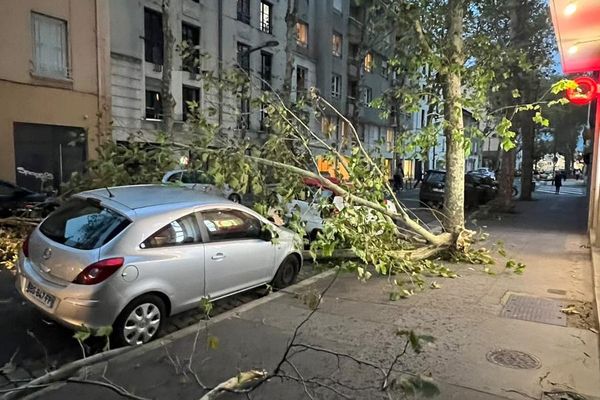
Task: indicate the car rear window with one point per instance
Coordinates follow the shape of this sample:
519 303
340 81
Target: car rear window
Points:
83 224
435 177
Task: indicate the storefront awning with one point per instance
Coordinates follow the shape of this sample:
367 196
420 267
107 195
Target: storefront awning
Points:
577 28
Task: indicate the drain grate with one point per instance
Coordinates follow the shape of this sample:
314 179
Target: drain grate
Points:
562 396
534 309
513 359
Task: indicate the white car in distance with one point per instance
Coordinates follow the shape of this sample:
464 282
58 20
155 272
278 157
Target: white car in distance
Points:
201 181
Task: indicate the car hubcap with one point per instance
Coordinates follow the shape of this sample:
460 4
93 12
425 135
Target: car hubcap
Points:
142 324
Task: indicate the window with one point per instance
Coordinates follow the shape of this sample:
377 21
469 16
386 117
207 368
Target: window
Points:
83 224
184 230
231 225
302 34
190 35
352 88
367 96
50 49
153 37
266 23
336 44
353 50
243 11
264 118
153 105
191 101
244 117
301 76
266 66
368 62
243 56
336 85
337 5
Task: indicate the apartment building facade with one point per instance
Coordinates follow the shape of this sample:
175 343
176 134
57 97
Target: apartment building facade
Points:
54 89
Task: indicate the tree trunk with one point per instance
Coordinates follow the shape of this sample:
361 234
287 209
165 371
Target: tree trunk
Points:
503 201
290 45
168 102
528 135
454 196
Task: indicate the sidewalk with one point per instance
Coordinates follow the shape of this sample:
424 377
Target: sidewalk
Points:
358 319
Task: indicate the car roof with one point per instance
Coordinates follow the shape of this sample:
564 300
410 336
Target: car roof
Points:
142 196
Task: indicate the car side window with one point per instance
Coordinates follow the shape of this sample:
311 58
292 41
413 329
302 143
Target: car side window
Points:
175 177
182 231
225 225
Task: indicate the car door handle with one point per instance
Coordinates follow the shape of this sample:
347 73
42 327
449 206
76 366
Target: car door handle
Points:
218 256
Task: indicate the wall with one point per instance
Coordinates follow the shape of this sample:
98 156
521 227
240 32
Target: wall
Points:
25 97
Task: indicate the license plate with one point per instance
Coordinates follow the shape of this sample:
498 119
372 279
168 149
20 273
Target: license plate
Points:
41 296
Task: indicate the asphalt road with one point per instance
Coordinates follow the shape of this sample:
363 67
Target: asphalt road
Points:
37 345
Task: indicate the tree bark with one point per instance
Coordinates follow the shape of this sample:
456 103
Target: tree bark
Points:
168 102
454 196
290 44
528 139
503 201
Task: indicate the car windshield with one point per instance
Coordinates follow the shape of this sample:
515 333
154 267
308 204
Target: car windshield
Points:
436 177
83 224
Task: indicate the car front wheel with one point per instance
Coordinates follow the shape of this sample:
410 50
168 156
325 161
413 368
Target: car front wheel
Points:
141 321
287 273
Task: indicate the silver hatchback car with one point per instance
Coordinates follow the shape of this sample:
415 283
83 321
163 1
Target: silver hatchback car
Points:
131 256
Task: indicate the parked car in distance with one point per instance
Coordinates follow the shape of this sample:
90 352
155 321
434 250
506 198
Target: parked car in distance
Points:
485 172
479 189
201 181
131 256
17 199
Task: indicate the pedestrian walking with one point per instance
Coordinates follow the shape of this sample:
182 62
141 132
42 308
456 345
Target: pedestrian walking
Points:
558 182
398 179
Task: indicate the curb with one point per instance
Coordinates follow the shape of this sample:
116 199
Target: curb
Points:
596 281
132 352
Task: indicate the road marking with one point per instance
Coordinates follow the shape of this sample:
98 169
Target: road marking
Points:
569 191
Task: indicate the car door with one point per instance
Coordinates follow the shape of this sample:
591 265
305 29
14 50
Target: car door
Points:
238 255
174 256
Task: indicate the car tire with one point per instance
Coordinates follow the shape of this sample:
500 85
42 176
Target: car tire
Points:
149 326
287 273
235 198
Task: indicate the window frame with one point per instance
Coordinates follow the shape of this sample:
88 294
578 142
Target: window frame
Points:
301 90
206 234
188 88
336 9
200 239
336 85
266 70
155 34
66 53
195 53
367 93
158 114
243 11
368 62
299 41
265 23
335 35
243 56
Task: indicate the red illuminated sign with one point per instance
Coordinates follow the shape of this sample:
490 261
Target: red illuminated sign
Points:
585 93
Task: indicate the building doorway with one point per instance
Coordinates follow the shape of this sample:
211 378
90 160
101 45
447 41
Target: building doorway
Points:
47 155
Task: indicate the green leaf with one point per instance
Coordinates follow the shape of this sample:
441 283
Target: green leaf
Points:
105 331
82 336
212 342
515 93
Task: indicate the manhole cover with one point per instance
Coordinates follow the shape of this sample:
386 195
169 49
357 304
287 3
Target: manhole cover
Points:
513 359
562 396
534 309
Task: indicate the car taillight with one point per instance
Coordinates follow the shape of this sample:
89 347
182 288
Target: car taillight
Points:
26 246
99 271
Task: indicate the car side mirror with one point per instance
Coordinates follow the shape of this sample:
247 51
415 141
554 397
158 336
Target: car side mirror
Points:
266 234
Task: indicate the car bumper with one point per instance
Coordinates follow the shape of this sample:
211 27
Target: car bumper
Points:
436 197
74 306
